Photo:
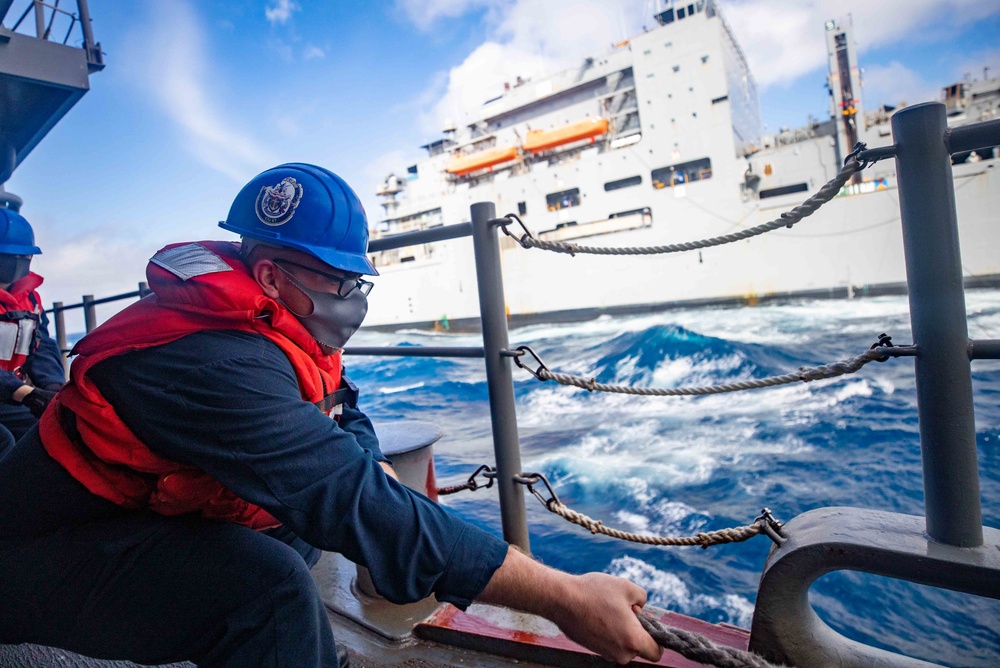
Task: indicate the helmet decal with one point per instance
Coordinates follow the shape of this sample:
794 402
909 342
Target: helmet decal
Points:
276 204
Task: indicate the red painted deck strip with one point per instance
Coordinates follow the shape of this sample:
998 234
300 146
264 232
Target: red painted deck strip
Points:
451 625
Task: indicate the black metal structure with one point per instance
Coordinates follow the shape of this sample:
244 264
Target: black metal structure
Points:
40 78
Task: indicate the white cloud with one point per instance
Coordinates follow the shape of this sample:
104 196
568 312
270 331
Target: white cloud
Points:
532 39
313 52
782 38
280 11
176 76
424 13
894 84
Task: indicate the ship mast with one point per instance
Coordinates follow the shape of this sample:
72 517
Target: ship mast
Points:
844 83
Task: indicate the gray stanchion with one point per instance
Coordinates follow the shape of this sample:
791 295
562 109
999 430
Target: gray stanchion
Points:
940 329
89 313
499 377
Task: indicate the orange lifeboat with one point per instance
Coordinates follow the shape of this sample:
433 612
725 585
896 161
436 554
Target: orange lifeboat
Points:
543 140
466 164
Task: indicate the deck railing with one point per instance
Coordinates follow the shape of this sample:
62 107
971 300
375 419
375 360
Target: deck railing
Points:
948 548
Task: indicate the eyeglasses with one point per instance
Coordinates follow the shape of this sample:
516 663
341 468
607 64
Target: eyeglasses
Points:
345 285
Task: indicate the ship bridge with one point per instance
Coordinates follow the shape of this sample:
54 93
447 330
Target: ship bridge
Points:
47 54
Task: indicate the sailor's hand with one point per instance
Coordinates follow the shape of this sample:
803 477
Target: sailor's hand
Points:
36 400
599 614
595 610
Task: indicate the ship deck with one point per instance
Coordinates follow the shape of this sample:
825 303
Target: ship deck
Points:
425 634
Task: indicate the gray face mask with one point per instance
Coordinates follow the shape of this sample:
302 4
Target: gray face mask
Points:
334 319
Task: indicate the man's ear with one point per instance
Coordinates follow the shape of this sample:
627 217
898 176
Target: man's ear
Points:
264 272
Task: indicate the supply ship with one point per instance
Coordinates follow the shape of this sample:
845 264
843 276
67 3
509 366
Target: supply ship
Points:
573 176
659 141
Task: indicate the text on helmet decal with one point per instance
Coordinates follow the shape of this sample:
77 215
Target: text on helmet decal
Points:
276 204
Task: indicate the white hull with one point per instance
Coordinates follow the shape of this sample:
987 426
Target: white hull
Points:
851 244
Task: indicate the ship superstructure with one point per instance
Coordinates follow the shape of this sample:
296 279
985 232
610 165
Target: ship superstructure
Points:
660 141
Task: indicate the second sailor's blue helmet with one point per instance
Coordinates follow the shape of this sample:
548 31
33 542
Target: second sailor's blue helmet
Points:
306 208
16 235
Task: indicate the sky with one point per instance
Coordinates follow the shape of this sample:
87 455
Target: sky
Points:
198 96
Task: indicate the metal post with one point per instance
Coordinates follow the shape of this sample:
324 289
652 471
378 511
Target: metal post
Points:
499 378
89 313
88 30
60 317
940 328
39 19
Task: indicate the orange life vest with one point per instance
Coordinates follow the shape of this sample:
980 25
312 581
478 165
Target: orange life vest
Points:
20 316
81 430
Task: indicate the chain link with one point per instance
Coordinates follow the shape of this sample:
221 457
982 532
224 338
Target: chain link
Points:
486 471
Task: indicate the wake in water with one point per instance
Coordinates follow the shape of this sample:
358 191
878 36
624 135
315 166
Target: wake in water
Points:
678 465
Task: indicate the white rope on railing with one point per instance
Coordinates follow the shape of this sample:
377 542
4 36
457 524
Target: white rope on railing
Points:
787 219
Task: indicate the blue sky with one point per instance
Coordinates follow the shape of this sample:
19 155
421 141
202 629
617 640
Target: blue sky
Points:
198 96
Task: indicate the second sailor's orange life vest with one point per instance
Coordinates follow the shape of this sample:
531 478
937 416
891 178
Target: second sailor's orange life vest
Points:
20 317
195 287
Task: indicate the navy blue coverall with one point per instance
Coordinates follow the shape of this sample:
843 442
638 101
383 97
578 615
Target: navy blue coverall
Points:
81 573
44 367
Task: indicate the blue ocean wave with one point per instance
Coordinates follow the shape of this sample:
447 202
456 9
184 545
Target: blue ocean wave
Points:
682 465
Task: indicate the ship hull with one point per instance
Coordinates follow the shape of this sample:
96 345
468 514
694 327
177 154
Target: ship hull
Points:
851 247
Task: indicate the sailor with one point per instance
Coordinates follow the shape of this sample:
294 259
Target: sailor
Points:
177 490
31 366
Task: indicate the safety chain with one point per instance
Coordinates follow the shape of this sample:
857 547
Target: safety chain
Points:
765 523
804 374
488 473
787 219
697 647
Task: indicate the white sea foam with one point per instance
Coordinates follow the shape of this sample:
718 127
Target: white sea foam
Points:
666 590
402 388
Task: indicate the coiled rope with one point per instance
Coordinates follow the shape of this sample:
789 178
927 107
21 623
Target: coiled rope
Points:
787 219
699 648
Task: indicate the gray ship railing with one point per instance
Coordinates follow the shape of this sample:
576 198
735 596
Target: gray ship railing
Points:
949 548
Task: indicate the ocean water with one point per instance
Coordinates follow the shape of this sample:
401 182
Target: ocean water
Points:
675 466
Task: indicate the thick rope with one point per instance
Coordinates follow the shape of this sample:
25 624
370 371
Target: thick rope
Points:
704 539
787 219
699 648
804 374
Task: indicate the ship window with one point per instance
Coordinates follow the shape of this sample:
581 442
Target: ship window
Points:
784 190
704 59
666 17
408 258
690 10
680 13
522 208
631 212
563 199
412 169
695 170
720 99
623 183
677 68
569 224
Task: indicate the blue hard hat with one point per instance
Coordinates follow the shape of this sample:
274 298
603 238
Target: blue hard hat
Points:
16 235
306 208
